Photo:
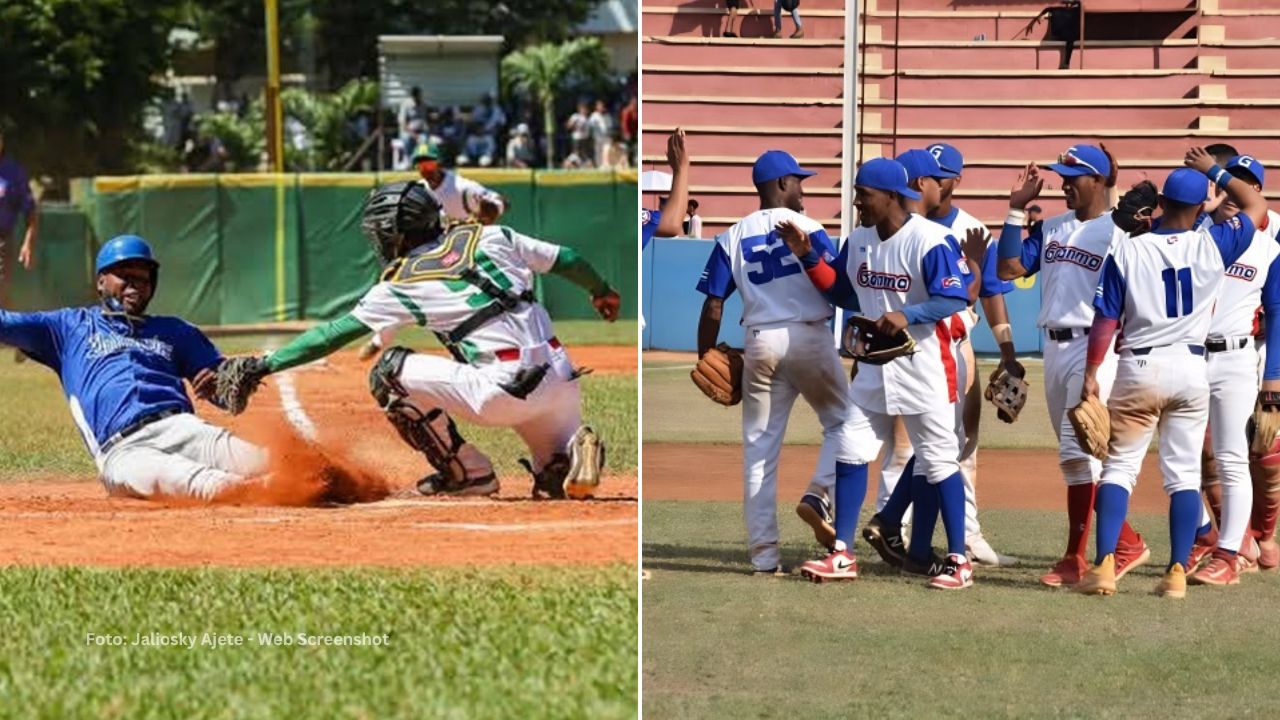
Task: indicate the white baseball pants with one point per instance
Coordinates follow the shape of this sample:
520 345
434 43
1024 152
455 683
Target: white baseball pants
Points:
1233 390
1063 379
180 456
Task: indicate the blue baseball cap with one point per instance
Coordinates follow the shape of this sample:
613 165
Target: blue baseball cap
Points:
774 164
1248 164
885 174
920 163
1080 160
1187 186
950 161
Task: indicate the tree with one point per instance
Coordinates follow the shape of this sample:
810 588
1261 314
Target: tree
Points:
542 70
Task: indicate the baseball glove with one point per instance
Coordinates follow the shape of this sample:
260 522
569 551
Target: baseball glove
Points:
866 344
718 374
607 304
1133 212
1263 430
237 380
1092 423
1007 391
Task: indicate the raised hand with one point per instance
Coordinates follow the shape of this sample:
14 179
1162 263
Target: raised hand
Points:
1198 159
1026 188
975 245
677 156
795 238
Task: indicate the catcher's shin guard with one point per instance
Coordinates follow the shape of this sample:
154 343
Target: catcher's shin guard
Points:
459 467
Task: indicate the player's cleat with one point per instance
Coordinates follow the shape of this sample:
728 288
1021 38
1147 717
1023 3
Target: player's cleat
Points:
1066 573
1220 570
773 572
1174 583
434 484
1268 555
957 574
586 464
981 552
1200 551
1247 558
1099 579
886 540
931 568
1128 558
815 510
839 565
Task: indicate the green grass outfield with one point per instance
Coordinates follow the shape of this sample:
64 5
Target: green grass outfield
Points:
462 644
534 642
719 643
669 416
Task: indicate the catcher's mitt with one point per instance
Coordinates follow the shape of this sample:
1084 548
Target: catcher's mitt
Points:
1263 430
607 303
718 374
1133 212
866 344
1007 391
237 380
1092 423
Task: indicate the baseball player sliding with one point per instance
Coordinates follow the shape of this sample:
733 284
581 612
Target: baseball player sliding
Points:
1159 289
1068 251
122 373
908 273
788 353
472 286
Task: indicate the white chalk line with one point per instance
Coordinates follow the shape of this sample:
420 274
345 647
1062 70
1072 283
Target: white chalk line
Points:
292 406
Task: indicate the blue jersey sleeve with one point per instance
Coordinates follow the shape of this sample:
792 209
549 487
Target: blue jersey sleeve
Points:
1012 245
941 267
194 352
1271 312
1233 237
33 333
1108 300
649 225
842 294
717 276
992 285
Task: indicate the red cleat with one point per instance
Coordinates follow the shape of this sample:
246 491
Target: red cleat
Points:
839 565
1220 570
1066 573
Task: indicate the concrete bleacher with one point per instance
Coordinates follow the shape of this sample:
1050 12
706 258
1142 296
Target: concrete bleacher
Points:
1166 74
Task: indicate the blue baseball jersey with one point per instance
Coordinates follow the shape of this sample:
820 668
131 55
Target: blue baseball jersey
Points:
960 222
649 220
114 371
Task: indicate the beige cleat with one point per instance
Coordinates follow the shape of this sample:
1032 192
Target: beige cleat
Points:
586 463
1174 583
1100 579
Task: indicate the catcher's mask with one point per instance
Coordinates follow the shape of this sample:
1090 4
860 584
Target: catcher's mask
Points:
119 250
399 217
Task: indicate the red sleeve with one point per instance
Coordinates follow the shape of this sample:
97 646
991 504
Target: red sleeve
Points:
822 275
1100 336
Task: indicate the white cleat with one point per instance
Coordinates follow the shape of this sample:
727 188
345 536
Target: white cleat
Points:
981 552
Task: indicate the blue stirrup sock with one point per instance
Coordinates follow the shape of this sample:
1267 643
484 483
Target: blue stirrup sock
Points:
1111 506
925 496
895 508
1184 515
951 503
851 489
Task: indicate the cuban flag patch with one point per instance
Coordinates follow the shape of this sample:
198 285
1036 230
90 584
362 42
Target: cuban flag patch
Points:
951 281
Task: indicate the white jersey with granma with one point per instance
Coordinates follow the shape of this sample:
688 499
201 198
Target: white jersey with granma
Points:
461 197
1068 254
507 258
752 258
1241 293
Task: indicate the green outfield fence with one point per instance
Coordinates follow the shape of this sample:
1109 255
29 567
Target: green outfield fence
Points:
262 248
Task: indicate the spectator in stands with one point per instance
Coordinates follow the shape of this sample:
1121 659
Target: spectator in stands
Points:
490 116
411 109
732 6
692 221
602 127
520 150
15 200
629 124
579 127
793 7
614 154
1064 26
479 147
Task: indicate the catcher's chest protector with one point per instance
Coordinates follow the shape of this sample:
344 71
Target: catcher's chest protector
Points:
453 259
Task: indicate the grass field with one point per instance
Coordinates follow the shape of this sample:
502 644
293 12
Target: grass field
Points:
536 642
719 643
670 417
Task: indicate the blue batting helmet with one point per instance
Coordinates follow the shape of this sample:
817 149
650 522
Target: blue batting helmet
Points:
123 248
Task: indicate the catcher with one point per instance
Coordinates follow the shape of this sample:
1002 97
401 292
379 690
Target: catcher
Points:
472 286
122 372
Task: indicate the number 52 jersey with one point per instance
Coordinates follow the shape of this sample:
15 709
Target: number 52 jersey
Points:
752 258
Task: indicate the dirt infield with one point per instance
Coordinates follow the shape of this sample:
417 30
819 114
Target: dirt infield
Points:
71 521
1007 479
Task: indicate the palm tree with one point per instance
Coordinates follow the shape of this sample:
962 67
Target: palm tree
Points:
541 70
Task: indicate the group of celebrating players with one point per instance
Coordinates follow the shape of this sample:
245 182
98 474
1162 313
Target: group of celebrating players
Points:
1185 274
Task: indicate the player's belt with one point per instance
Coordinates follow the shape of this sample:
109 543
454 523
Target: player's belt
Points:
133 428
509 354
1217 345
1065 334
1193 349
